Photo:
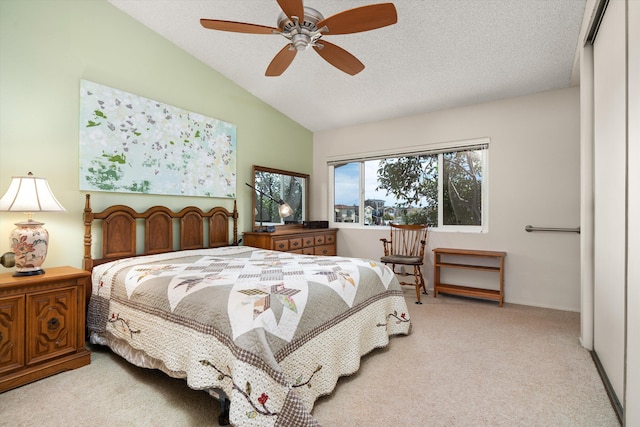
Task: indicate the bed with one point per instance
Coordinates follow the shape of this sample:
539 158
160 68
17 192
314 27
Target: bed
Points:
268 331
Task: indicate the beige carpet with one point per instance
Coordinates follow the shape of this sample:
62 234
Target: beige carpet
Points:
466 363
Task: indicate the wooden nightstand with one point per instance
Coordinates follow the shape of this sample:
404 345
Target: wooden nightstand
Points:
42 322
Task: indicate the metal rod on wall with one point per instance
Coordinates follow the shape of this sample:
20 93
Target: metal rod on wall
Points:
530 228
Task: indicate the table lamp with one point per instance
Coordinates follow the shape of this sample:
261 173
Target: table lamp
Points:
284 210
29 241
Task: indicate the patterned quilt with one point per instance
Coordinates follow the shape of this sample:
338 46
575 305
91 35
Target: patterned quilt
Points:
273 330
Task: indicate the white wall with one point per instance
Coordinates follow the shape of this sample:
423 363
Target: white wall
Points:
632 392
534 175
47 47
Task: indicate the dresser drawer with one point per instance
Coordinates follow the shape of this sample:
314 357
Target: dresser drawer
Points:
327 250
308 241
295 244
297 240
281 245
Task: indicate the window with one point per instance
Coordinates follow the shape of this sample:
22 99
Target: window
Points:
444 188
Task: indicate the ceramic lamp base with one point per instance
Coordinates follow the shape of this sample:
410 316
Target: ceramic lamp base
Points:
29 241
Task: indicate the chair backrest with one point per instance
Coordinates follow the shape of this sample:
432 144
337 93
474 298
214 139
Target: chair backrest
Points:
408 240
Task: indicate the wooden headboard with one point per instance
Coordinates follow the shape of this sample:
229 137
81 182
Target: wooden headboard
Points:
119 225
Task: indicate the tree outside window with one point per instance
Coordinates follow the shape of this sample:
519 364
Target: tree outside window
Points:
440 189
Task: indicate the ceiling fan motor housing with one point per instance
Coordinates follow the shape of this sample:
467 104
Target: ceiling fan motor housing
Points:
302 35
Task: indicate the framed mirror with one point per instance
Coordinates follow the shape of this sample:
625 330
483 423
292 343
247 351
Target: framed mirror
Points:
278 185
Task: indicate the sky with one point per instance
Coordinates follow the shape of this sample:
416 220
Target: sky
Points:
347 183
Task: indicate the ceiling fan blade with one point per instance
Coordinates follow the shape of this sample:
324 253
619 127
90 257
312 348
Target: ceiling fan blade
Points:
281 61
292 8
360 19
237 27
338 57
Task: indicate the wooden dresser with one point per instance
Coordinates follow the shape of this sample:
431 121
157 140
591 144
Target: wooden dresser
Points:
42 325
309 241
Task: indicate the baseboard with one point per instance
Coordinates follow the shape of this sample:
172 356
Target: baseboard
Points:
615 403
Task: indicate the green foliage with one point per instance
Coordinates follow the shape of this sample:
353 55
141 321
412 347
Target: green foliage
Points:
420 216
143 186
104 177
462 193
413 182
115 158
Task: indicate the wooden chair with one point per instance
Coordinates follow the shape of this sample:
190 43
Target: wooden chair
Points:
405 247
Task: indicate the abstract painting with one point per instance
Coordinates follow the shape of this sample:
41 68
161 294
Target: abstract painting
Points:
133 144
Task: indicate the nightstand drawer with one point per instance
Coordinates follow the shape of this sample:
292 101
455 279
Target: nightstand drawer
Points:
51 317
11 333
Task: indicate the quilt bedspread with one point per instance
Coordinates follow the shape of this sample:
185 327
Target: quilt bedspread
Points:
272 330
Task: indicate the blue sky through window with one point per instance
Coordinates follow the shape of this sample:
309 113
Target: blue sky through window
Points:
347 184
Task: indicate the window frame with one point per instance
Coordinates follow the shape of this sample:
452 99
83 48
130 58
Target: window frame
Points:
439 149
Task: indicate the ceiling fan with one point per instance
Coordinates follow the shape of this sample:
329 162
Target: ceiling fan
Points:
305 27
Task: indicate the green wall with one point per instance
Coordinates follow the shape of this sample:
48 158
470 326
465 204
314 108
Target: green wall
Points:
48 46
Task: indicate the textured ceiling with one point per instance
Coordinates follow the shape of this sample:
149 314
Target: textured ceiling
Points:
441 54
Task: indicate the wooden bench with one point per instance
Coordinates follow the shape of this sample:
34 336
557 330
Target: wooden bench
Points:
439 264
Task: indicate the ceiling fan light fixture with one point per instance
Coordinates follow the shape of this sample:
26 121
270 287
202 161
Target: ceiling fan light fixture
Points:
300 42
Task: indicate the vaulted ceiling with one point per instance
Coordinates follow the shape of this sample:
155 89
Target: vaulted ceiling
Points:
440 54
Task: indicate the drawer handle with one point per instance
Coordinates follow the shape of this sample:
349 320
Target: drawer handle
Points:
54 324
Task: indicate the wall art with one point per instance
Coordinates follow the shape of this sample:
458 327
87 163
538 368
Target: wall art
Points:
133 144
